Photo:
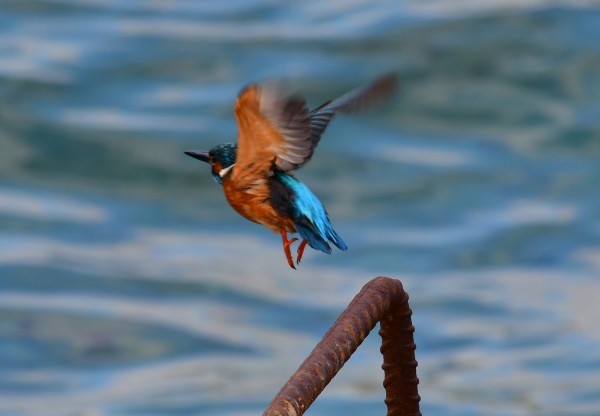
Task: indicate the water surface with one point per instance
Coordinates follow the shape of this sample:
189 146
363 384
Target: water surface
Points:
129 287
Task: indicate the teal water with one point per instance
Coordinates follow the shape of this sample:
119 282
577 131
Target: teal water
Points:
129 287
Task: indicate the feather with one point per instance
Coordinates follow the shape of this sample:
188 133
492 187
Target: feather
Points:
291 197
353 101
298 144
275 125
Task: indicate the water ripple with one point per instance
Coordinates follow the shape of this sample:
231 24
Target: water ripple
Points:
129 287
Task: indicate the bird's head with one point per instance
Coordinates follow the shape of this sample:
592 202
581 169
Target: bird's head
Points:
221 159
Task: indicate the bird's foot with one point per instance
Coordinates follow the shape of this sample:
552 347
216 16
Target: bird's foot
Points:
286 248
300 251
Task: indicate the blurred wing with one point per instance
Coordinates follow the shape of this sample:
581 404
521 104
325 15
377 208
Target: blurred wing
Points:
353 101
289 115
256 138
276 127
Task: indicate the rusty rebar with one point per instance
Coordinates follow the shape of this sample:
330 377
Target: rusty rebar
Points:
381 300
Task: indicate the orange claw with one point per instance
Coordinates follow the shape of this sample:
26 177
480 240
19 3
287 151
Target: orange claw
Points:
286 248
301 251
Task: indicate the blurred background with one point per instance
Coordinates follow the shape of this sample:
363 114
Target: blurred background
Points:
128 286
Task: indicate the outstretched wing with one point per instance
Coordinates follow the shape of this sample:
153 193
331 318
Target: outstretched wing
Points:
272 128
353 101
276 127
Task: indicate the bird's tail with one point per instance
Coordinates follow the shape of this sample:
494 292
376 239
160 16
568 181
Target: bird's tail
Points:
337 240
319 241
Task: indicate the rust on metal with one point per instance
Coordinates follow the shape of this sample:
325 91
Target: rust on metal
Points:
381 300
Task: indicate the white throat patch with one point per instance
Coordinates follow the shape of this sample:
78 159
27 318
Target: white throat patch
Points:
224 171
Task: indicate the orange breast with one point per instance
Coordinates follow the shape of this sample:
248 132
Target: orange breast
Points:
253 204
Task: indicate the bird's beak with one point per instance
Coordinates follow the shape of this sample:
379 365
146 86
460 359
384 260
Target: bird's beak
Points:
199 154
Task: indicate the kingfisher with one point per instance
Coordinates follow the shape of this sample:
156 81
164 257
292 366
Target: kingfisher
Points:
278 134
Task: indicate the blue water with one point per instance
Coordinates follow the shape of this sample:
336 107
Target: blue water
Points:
129 287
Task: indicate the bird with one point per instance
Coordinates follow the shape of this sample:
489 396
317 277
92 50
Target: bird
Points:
278 134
